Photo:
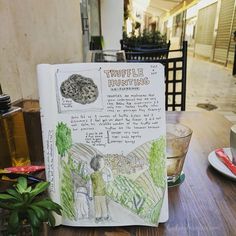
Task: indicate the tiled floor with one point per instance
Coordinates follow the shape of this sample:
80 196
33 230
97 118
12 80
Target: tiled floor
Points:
211 83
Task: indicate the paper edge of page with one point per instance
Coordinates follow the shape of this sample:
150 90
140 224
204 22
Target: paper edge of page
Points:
44 73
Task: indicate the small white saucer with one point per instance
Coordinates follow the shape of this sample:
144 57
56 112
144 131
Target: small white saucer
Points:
220 166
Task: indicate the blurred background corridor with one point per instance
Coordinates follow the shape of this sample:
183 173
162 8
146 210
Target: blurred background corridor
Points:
66 31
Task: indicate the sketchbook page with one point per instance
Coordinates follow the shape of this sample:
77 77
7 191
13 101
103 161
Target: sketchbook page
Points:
110 143
164 214
48 111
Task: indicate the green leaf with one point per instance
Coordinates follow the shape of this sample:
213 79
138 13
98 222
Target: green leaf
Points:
51 220
5 206
49 205
22 183
29 189
34 221
17 205
26 197
7 197
19 189
58 210
39 188
41 213
13 223
15 194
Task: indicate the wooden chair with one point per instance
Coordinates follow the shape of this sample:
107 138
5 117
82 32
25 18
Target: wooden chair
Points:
175 73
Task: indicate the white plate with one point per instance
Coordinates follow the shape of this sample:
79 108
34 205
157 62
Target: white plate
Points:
218 165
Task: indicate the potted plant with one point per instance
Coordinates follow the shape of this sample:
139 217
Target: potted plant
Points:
152 39
25 205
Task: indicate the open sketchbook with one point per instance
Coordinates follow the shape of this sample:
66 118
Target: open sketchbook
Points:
104 129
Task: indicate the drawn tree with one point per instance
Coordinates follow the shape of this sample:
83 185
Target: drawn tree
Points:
157 168
157 162
64 143
63 138
67 191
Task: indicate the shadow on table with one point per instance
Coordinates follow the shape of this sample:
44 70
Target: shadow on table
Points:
212 172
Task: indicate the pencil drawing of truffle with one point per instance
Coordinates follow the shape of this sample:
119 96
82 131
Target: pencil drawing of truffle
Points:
80 89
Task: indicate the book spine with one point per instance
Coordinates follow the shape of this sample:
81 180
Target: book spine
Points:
47 100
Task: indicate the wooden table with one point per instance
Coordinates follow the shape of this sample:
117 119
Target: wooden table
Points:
205 204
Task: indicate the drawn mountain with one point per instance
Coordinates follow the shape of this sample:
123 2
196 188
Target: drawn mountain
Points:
133 186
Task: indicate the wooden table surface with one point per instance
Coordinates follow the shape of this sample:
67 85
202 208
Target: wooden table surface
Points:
204 204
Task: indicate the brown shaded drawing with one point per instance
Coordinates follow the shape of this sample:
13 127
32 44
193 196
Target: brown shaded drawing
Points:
80 89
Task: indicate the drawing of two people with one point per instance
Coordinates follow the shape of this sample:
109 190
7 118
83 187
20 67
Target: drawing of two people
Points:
99 178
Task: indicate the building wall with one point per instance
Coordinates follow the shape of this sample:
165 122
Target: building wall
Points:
94 17
112 12
224 32
192 8
33 32
205 30
232 42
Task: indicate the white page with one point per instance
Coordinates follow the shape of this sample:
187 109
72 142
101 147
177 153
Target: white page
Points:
115 111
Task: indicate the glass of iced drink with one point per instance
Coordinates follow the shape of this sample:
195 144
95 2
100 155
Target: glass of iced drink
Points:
177 141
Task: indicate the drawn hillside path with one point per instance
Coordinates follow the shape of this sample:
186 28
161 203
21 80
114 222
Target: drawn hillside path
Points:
133 167
116 213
